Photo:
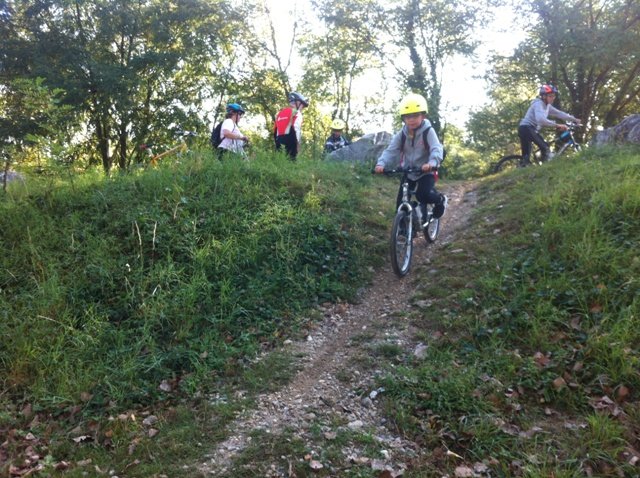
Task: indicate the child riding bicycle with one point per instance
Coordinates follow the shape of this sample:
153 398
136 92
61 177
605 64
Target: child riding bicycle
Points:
409 149
537 117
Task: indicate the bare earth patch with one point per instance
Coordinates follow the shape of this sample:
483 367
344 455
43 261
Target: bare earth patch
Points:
335 386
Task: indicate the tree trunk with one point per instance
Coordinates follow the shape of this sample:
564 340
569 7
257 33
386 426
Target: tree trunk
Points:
103 144
122 148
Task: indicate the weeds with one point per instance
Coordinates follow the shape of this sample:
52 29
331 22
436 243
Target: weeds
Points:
548 333
116 294
121 295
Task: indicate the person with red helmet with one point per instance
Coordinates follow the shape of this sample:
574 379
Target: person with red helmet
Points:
537 116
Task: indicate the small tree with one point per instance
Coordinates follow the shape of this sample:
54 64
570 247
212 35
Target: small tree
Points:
30 112
432 32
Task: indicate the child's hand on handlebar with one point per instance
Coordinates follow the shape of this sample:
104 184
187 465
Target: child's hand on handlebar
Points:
379 169
430 166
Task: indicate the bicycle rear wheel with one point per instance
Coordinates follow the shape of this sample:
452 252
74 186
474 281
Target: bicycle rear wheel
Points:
432 229
401 244
507 162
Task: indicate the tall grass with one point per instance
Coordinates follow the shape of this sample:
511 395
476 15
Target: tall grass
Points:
180 276
108 287
545 327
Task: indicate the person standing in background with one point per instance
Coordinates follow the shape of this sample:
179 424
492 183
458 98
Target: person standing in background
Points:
336 140
232 139
288 125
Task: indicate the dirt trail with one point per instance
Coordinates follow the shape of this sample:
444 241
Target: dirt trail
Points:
330 385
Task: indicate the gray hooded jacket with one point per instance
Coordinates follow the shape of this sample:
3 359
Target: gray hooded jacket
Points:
414 153
538 114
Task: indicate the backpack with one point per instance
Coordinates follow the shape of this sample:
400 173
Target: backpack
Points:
215 136
424 138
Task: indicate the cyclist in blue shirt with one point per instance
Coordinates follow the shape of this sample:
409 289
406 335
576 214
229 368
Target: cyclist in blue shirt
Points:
537 116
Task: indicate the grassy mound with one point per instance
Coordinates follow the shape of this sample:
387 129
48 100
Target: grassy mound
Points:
139 293
115 291
537 343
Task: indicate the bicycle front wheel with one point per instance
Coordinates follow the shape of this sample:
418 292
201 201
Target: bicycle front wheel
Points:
401 244
507 162
569 149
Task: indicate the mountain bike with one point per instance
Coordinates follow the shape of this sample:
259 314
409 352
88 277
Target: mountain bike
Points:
408 222
181 147
565 143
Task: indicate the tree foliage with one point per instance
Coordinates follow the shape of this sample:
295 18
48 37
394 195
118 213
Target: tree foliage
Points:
32 113
344 52
266 76
131 70
432 33
589 49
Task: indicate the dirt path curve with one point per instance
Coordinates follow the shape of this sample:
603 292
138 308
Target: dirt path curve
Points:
330 386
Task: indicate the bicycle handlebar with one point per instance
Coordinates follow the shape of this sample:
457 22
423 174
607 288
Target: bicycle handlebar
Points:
404 170
186 133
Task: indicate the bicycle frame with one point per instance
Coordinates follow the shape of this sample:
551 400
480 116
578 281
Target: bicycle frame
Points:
404 227
407 194
408 204
560 146
568 142
182 147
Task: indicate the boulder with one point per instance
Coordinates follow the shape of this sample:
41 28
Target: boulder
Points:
365 150
627 131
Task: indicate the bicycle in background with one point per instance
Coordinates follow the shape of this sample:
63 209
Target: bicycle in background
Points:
181 147
564 144
408 223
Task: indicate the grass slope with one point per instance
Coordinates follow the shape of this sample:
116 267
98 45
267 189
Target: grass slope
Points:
535 369
179 277
116 294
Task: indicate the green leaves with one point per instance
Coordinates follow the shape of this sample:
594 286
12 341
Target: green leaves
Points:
129 71
587 50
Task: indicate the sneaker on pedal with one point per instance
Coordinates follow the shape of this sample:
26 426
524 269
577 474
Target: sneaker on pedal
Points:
426 215
438 209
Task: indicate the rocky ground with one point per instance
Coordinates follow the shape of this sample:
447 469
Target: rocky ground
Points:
330 387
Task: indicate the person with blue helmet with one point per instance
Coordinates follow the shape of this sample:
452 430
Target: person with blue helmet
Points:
537 116
233 141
